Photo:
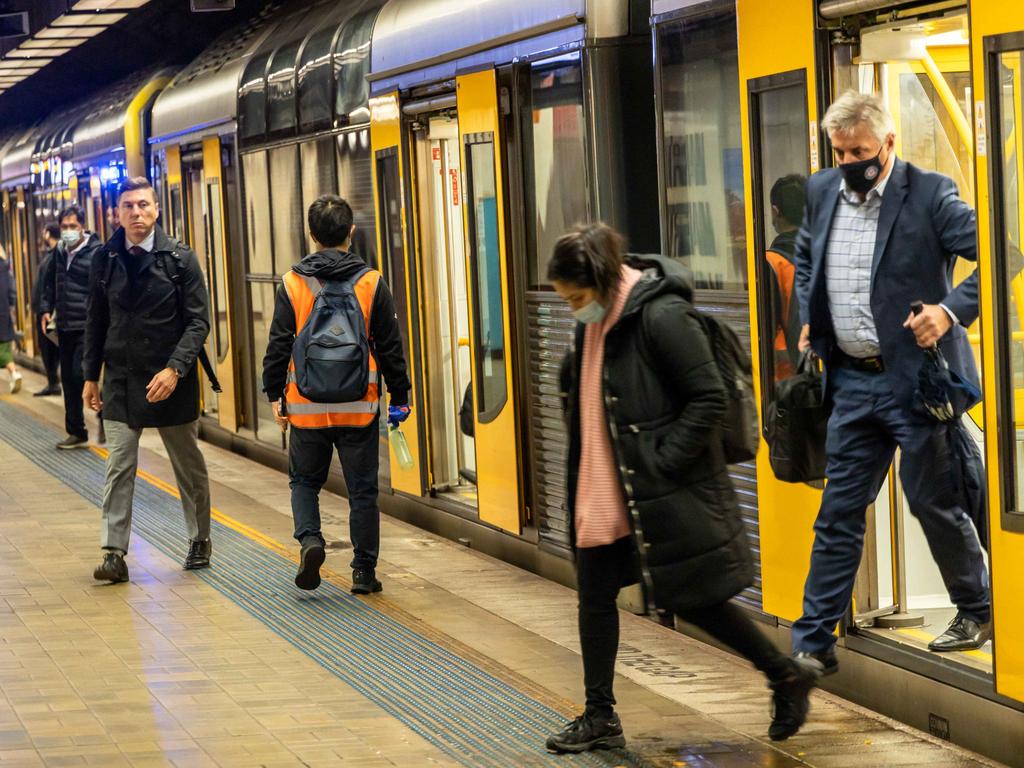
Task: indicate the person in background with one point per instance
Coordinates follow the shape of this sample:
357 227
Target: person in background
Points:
149 315
66 293
8 302
649 495
47 349
351 428
787 201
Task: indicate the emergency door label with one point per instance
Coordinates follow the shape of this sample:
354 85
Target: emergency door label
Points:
979 127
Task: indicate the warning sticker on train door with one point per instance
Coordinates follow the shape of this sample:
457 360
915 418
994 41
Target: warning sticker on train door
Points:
979 127
812 144
455 185
437 153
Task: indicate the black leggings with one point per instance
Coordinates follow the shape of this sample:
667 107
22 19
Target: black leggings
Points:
600 572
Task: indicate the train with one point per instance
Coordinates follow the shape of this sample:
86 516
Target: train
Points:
468 136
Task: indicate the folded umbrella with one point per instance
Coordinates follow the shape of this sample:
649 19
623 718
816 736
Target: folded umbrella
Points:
941 394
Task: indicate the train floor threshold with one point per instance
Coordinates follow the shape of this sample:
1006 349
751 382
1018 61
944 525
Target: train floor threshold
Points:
462 660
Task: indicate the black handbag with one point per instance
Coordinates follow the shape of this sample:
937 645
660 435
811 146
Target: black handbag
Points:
796 423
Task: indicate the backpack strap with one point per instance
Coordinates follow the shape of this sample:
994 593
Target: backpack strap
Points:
174 273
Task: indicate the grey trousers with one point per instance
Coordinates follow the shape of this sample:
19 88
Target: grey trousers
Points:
182 444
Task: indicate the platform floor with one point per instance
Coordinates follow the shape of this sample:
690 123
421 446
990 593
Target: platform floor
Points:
462 660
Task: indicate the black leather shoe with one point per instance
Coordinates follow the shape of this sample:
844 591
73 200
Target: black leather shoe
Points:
791 698
963 634
310 560
71 442
113 568
198 554
827 659
47 392
364 581
587 732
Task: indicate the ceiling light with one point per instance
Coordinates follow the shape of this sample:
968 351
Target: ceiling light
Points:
90 19
60 32
108 5
62 42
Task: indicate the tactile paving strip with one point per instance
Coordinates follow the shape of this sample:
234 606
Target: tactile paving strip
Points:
468 713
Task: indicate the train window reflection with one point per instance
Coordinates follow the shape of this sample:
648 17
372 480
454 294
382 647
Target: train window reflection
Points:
257 213
557 175
262 298
286 208
485 249
218 267
318 169
703 166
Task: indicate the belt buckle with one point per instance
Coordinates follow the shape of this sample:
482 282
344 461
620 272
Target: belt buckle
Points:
873 363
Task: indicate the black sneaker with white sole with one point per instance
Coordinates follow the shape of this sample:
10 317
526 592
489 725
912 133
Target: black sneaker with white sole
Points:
364 581
588 732
311 558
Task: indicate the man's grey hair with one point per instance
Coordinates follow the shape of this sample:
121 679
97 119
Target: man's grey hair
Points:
852 109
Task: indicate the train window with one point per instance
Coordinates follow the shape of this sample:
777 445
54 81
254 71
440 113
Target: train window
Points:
286 207
355 184
485 265
351 65
781 164
557 171
218 267
390 196
314 82
177 223
252 99
257 213
261 296
1006 90
281 114
704 200
318 169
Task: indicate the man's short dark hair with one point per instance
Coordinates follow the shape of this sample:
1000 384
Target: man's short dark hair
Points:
53 230
330 220
133 184
789 196
72 210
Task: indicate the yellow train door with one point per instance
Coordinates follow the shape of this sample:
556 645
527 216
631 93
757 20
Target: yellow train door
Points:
780 119
997 48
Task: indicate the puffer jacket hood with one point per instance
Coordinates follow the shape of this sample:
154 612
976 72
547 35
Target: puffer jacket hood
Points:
662 276
331 264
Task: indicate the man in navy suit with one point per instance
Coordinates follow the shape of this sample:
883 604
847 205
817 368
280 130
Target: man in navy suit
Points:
878 234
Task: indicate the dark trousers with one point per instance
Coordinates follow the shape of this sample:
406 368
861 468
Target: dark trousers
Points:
865 427
71 344
600 572
309 460
50 353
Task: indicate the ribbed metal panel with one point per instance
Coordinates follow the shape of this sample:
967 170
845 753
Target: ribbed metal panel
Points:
550 327
735 310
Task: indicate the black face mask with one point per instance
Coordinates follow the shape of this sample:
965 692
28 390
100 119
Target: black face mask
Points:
861 176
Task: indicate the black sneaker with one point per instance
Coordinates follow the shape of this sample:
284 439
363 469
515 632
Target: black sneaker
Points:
71 442
47 392
587 732
791 698
310 559
364 581
827 659
113 568
199 552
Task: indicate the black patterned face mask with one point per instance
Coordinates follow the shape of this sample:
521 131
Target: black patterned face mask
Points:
862 175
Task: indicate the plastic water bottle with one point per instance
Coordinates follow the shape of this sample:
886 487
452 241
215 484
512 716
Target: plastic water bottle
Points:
400 446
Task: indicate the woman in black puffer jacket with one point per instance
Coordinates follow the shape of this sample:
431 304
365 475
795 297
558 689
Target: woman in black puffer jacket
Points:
650 498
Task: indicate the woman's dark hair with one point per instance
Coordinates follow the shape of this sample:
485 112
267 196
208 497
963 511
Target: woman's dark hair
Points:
588 256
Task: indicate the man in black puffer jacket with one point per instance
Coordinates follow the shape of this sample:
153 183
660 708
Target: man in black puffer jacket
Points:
67 292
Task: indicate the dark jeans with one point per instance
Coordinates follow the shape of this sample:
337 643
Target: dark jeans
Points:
865 427
600 572
71 345
50 353
309 460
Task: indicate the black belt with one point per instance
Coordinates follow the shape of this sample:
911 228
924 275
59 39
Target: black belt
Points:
865 364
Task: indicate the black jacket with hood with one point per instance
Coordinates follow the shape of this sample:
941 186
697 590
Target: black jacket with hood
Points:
385 333
67 288
664 402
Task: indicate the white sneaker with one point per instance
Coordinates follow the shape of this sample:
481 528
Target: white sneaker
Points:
15 383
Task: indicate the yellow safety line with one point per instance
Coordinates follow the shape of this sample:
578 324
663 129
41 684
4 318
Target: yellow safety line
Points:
920 634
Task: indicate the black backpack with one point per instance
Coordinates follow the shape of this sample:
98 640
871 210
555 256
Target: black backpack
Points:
331 351
741 432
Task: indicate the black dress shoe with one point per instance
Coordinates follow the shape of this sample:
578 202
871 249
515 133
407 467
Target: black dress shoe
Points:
364 581
963 634
310 560
46 392
198 554
113 568
72 442
587 732
827 659
791 699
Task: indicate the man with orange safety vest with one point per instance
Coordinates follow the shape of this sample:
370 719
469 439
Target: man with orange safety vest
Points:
787 198
351 427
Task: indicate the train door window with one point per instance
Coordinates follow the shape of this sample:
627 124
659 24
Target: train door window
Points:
355 186
702 167
1005 71
201 242
177 215
556 171
488 322
318 169
781 163
218 282
390 196
286 208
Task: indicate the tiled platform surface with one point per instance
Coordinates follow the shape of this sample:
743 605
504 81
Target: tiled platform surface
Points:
168 671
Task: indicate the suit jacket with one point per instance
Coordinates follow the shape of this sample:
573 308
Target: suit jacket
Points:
923 226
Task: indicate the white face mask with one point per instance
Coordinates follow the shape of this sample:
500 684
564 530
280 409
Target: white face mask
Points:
592 313
70 237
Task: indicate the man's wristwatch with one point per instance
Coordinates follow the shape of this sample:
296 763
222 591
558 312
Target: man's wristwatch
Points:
177 371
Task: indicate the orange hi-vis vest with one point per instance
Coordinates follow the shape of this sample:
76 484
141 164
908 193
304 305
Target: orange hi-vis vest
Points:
305 414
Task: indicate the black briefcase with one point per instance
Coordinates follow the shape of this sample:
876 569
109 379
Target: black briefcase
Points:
796 423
